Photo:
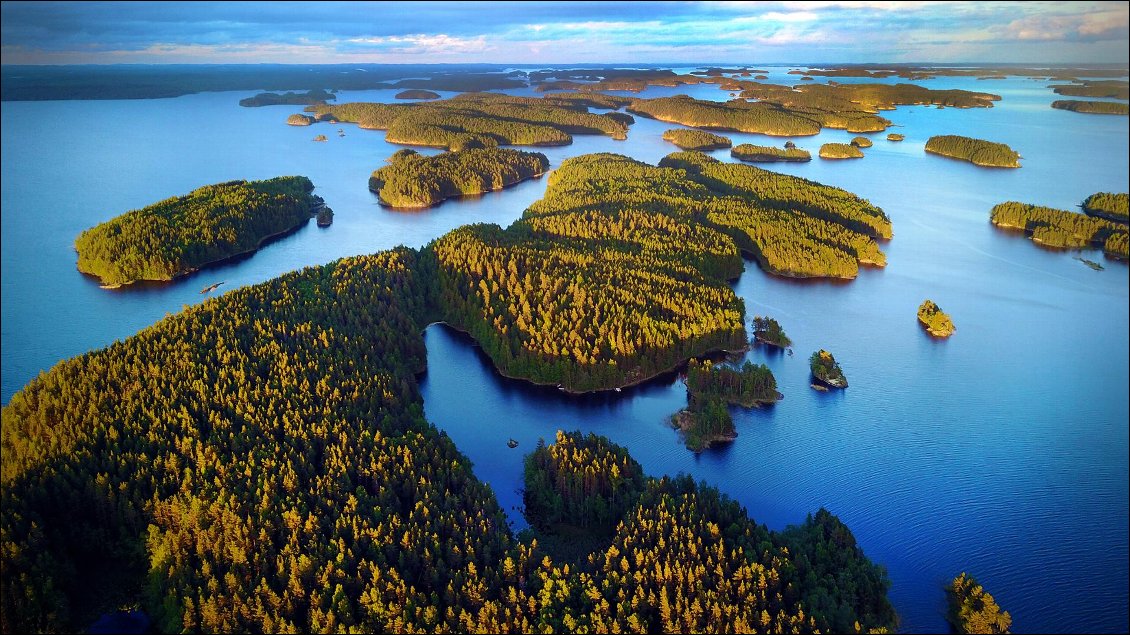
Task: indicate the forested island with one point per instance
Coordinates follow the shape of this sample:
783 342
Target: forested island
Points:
768 154
972 609
766 330
478 120
840 151
417 94
414 180
696 139
976 151
825 369
181 234
861 142
316 96
738 115
1092 107
260 462
934 320
1103 89
300 120
894 136
1108 205
1061 228
710 389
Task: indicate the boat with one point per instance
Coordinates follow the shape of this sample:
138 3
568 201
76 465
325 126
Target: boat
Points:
512 443
617 390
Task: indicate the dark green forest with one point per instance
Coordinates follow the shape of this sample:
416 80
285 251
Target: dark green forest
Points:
316 96
767 330
1108 205
976 151
826 369
1092 107
710 389
1061 228
768 154
478 120
180 234
699 140
414 180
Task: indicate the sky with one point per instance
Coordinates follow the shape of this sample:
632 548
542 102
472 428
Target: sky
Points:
562 32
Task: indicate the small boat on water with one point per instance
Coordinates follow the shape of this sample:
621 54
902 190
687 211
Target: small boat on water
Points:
512 443
617 390
210 288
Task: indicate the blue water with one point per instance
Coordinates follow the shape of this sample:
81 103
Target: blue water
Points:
1002 451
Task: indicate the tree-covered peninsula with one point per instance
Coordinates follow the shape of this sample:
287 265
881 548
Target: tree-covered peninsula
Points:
826 369
768 154
477 120
1109 89
181 234
976 151
696 139
710 389
415 180
316 96
1092 107
260 462
1061 228
840 151
1108 205
972 609
656 580
934 320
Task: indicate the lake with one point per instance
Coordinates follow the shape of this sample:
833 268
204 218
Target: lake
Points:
1002 451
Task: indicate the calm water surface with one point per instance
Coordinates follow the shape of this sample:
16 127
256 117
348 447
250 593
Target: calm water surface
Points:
1002 451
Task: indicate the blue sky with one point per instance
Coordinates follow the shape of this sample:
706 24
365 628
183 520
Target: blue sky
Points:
562 32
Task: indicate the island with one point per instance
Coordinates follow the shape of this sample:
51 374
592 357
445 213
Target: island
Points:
300 120
417 93
976 151
1103 89
306 386
316 96
861 142
840 151
1092 107
710 389
696 140
972 609
894 136
826 370
412 180
934 320
320 137
766 330
325 217
485 120
768 154
1062 229
1108 205
182 234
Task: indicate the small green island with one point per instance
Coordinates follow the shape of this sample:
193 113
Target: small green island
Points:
827 370
894 136
1107 205
417 93
316 96
1062 229
699 140
300 120
766 330
972 609
840 151
179 235
861 142
768 154
711 388
1092 107
413 180
976 151
324 217
934 320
